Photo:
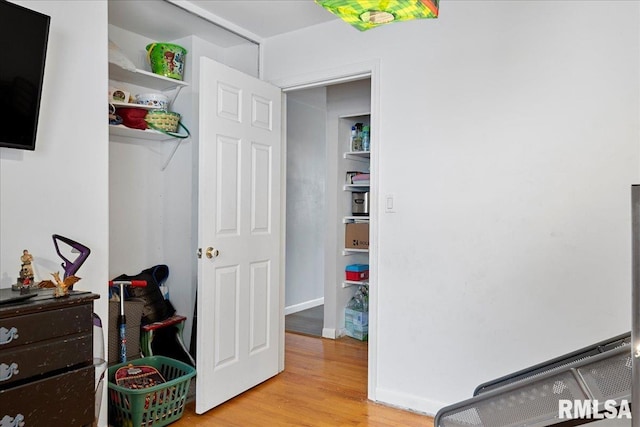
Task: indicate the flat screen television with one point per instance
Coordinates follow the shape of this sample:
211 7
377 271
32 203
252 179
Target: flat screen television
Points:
24 34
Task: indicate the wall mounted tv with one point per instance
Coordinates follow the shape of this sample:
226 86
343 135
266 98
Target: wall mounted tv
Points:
24 34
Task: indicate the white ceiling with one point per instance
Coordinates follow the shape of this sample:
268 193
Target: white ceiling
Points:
247 20
267 18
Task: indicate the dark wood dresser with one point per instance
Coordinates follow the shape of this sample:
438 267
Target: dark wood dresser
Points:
46 362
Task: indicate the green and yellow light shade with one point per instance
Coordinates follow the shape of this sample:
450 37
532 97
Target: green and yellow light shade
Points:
367 14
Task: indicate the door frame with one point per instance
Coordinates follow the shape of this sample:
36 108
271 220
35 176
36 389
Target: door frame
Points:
349 72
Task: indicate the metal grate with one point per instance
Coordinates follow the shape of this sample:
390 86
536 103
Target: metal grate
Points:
466 417
610 378
556 364
531 403
534 401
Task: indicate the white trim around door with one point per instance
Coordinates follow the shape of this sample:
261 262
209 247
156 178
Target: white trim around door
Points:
350 72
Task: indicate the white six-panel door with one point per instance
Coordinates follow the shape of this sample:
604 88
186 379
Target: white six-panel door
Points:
238 309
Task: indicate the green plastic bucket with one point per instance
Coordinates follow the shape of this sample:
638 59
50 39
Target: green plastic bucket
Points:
166 59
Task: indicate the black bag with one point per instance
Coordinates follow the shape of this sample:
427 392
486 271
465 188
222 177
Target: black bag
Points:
156 308
167 342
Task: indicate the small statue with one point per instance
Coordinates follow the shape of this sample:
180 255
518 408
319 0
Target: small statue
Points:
26 269
61 286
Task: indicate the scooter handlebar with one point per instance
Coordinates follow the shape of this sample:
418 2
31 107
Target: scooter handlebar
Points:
136 283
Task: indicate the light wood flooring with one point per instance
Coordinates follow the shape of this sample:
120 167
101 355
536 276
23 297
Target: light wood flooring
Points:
324 384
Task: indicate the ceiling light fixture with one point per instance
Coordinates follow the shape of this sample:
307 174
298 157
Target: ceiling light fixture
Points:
367 14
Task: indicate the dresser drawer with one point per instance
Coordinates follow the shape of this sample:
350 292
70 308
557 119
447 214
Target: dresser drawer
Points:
23 362
31 328
63 400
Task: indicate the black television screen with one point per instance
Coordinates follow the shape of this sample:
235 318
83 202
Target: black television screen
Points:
24 34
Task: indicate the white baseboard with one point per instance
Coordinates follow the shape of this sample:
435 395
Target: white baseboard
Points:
332 333
329 333
303 306
408 401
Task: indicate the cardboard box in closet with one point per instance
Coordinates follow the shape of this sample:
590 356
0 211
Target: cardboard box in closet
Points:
356 236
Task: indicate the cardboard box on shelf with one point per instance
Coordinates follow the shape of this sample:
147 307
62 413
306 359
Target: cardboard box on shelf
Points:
356 236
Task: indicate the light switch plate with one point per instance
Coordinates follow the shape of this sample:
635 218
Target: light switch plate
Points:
389 203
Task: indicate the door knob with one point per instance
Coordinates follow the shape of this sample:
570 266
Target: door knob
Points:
211 252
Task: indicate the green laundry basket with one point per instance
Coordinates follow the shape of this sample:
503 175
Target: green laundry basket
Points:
154 406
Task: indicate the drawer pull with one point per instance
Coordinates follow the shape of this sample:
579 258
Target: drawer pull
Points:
8 335
7 371
8 421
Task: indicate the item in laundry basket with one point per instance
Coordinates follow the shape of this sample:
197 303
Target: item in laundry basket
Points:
138 377
154 406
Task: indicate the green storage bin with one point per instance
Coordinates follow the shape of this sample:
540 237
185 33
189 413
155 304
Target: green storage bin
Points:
154 406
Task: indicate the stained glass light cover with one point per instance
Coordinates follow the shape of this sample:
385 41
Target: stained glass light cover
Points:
367 14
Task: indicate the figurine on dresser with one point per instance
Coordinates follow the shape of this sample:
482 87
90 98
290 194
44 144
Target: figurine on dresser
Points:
26 269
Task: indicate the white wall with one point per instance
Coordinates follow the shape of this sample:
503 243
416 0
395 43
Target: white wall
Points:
306 194
509 137
243 58
62 186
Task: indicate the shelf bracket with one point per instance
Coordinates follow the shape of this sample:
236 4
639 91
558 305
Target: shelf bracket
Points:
347 284
174 94
173 152
363 156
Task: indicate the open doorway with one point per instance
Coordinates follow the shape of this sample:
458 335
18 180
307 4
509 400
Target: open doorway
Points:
306 210
319 120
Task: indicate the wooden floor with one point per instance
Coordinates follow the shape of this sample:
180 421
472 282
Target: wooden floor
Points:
324 384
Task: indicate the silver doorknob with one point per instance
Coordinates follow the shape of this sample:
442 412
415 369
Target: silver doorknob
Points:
211 252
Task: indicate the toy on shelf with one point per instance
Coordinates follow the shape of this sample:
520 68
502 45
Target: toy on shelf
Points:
61 287
26 269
